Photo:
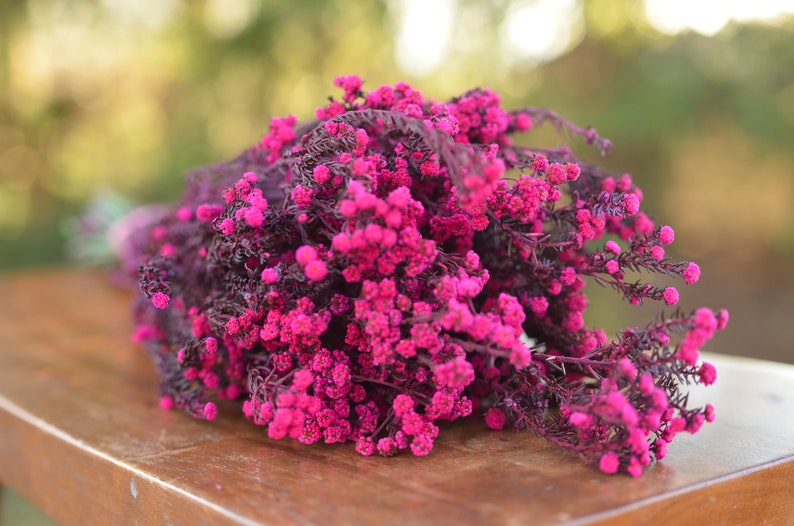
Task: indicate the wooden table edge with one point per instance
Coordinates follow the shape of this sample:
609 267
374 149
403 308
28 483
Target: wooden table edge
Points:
766 478
58 438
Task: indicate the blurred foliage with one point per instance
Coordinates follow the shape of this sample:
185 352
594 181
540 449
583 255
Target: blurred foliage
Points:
127 95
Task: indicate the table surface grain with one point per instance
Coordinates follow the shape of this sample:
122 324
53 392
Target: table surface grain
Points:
82 437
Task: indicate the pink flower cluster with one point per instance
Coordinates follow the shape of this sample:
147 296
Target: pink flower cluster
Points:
389 266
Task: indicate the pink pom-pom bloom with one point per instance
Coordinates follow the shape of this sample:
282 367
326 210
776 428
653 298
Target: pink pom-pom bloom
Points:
305 254
657 252
609 463
540 164
523 122
210 411
321 174
666 235
227 226
612 247
671 295
166 403
708 373
316 270
455 373
269 275
302 380
495 418
692 273
161 300
631 204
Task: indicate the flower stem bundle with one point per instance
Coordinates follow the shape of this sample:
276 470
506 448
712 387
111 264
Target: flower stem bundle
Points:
400 262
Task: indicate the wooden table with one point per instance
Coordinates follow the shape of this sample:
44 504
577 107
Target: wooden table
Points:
83 438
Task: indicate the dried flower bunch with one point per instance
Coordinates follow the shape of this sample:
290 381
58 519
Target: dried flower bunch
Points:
400 262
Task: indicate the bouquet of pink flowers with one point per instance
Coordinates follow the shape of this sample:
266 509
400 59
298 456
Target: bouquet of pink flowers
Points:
399 262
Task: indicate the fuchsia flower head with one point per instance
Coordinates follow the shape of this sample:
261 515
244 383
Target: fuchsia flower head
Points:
400 262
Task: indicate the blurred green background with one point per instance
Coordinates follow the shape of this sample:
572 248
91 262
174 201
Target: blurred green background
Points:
697 97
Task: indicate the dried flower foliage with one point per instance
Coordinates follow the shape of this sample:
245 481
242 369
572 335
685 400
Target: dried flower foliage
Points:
400 262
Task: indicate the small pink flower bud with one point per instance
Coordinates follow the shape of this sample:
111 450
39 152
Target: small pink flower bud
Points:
666 235
210 411
161 300
316 270
671 295
305 254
